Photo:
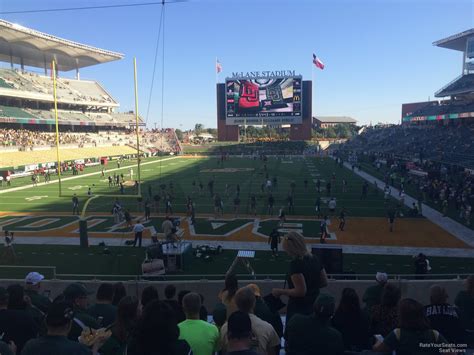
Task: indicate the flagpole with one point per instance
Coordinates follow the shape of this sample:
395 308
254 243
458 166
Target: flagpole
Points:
312 90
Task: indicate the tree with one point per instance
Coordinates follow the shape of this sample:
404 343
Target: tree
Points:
212 131
198 128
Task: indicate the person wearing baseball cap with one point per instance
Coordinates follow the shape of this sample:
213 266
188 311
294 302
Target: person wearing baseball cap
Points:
313 334
76 294
373 294
58 321
32 289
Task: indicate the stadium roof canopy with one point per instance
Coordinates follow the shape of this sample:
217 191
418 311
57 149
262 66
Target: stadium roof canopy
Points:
335 119
456 42
28 47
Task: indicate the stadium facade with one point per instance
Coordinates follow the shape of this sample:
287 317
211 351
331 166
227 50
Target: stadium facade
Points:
456 102
26 97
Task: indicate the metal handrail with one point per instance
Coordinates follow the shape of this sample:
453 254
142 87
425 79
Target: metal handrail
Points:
31 267
262 277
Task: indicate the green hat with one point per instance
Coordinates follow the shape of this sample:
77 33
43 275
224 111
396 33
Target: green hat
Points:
75 290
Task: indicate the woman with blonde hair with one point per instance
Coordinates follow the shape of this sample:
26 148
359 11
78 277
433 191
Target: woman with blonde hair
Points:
305 277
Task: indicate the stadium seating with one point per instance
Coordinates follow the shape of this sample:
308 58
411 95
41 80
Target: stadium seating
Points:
8 159
464 84
440 143
68 90
6 111
36 146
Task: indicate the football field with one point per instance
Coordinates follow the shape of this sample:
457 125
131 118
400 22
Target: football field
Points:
38 215
175 176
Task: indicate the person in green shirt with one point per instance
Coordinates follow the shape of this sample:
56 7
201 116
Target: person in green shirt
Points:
202 337
413 336
103 310
465 302
312 334
76 294
32 288
58 322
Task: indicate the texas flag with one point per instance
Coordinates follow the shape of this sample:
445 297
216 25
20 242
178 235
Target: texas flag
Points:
316 61
218 66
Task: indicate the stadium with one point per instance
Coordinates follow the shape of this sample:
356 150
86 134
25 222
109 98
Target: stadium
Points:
94 203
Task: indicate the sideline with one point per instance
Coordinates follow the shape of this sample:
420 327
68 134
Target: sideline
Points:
80 176
460 231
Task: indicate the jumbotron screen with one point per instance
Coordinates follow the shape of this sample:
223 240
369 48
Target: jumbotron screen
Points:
263 101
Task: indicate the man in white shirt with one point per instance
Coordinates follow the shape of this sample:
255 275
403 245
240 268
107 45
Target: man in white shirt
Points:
138 230
265 340
332 205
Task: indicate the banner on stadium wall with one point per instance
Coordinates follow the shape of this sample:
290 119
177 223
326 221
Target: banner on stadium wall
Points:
30 167
450 116
53 122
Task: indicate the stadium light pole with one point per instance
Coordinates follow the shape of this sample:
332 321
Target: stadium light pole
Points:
136 124
58 158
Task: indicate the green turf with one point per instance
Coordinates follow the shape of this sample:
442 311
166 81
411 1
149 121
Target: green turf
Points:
124 261
182 172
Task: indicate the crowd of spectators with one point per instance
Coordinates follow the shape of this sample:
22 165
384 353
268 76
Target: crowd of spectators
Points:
452 144
243 321
439 179
153 140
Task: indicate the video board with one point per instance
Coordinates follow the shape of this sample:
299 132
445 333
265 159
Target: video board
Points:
256 101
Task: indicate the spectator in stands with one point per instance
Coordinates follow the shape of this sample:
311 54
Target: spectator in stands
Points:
239 336
263 312
58 321
412 333
32 288
202 337
267 340
226 296
76 294
306 276
170 293
127 317
384 317
181 316
465 302
103 310
312 334
16 324
157 333
351 322
149 293
119 293
373 294
444 317
7 349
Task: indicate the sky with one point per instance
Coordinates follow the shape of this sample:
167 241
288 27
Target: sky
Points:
378 53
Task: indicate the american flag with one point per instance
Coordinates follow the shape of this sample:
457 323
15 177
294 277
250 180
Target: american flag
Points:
218 66
316 61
